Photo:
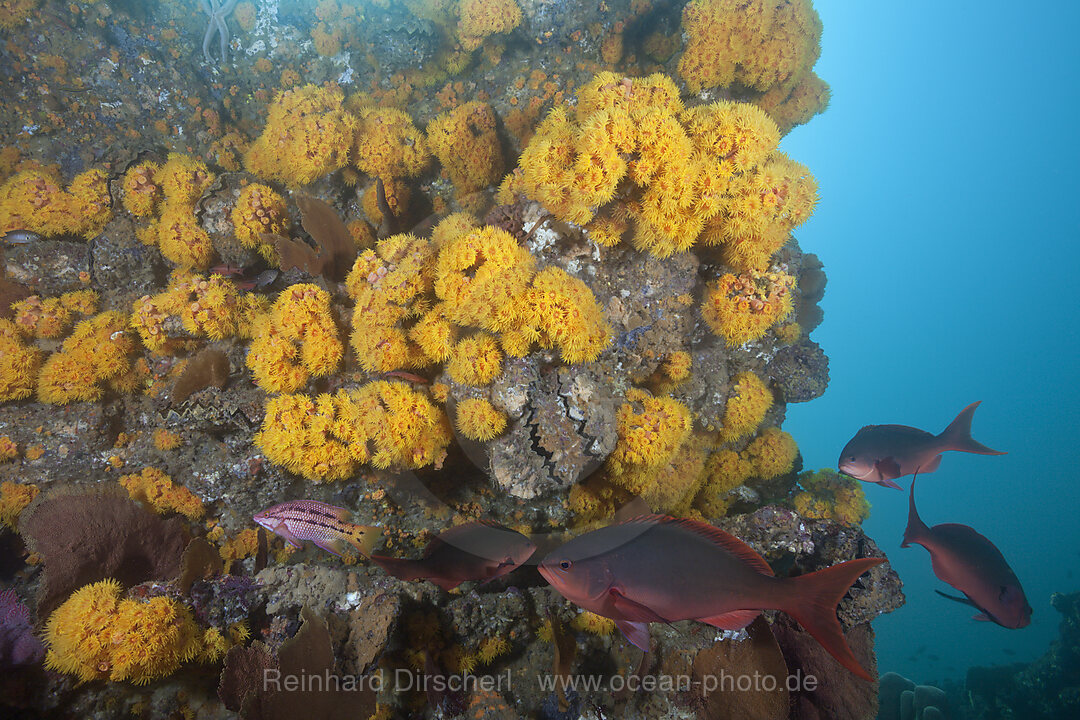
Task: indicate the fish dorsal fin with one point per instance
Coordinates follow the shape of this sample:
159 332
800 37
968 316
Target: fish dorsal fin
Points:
713 534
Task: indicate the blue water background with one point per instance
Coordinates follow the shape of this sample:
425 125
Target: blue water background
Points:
949 225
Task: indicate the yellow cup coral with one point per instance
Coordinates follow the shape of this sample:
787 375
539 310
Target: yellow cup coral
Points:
19 364
465 142
297 340
260 209
746 408
307 134
156 489
475 360
14 498
741 308
390 286
760 44
387 144
826 494
96 635
481 18
650 431
477 419
96 356
51 317
772 453
725 470
139 191
205 307
328 437
33 200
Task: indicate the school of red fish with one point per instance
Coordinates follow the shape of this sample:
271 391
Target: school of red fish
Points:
655 568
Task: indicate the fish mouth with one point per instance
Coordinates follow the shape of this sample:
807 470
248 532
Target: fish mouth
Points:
847 470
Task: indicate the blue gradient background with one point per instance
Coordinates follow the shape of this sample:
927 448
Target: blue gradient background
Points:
949 223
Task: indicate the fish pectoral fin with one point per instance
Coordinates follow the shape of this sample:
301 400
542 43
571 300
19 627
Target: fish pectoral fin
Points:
888 469
965 600
633 611
734 620
636 632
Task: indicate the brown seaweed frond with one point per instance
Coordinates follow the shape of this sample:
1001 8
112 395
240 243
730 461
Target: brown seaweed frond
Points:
335 251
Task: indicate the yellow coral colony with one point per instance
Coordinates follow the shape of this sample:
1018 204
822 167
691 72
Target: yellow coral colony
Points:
33 200
708 174
465 142
477 419
158 490
741 308
94 357
329 436
206 307
260 209
97 635
650 432
19 363
826 494
14 498
389 285
297 340
750 400
307 134
481 18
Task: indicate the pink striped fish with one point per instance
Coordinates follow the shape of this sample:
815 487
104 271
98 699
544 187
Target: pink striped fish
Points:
325 525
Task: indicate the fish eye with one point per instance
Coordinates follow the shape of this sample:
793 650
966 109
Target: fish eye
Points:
565 564
851 458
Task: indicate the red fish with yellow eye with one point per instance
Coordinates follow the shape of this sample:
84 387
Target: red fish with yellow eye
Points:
656 568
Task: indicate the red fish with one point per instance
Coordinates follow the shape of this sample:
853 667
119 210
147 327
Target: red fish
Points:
972 564
882 453
323 524
473 551
656 568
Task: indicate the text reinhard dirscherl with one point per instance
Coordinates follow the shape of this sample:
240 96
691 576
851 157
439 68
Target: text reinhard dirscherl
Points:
404 680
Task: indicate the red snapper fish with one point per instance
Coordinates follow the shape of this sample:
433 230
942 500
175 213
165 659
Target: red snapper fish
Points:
656 568
972 564
472 551
325 525
882 453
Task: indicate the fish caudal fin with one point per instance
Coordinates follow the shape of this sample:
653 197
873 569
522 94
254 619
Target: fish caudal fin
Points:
813 600
958 435
916 529
364 538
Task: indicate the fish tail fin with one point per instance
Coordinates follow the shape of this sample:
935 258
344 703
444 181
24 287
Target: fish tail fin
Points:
364 538
916 528
814 598
958 435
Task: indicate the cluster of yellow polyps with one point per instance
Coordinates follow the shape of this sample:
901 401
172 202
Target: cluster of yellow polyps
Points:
631 156
741 308
296 340
260 210
168 193
153 487
98 635
328 437
205 307
33 200
96 356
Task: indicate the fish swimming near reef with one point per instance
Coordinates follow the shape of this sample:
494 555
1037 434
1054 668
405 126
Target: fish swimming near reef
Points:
473 551
882 453
655 568
325 525
973 565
